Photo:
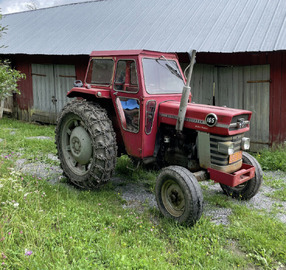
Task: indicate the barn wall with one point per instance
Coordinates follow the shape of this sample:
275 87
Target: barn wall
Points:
277 95
23 105
276 60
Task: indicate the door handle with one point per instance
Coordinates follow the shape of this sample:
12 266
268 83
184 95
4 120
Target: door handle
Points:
54 100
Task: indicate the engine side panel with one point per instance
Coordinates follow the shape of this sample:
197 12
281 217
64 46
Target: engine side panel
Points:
227 118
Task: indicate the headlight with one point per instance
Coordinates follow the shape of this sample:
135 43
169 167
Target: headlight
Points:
226 148
245 143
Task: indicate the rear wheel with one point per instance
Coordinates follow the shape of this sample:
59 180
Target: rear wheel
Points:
86 144
248 189
179 195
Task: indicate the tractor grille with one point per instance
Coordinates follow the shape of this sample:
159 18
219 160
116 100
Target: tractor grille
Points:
243 119
218 158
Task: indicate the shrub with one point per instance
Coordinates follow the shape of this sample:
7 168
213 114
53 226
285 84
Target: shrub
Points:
8 79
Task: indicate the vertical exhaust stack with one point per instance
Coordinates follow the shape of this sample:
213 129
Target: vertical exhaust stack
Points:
185 96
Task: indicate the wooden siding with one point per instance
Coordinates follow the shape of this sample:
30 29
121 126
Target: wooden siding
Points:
277 87
50 86
276 60
241 87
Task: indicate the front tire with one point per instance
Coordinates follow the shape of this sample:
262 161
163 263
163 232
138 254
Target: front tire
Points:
248 189
179 195
86 144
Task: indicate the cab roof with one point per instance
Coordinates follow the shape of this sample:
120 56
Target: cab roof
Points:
130 53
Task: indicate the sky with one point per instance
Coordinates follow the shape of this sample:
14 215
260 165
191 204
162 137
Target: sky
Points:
12 6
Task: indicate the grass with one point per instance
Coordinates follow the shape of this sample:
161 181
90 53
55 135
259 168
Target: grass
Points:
45 226
273 159
280 188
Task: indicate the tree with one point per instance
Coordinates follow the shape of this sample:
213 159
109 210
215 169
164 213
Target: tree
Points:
9 77
32 5
2 29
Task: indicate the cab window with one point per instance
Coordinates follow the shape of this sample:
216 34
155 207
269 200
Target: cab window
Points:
126 76
100 72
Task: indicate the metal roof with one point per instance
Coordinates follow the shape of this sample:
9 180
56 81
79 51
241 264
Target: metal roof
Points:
161 25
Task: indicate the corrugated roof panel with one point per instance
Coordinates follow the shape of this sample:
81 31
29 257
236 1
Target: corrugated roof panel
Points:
163 25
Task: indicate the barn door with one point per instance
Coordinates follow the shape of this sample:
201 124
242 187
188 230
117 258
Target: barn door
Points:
50 86
247 88
64 79
203 83
43 90
242 87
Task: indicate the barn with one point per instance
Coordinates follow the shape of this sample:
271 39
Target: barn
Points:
241 55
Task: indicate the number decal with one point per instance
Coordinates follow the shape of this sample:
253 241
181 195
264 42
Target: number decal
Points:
211 119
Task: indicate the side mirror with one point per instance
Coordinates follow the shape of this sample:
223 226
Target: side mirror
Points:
78 83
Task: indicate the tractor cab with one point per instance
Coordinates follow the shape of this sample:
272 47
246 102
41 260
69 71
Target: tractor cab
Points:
137 82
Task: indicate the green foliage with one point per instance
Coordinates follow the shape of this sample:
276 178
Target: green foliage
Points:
273 159
2 29
280 188
8 79
8 76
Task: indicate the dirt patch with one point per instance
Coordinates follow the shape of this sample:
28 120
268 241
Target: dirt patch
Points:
137 196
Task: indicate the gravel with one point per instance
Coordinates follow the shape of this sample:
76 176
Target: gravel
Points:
137 196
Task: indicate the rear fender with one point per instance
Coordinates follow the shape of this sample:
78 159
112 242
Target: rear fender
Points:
85 92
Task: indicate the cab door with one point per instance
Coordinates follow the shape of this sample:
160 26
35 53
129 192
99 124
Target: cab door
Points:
127 100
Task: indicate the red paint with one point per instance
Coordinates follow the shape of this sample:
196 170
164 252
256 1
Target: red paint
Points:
245 173
196 114
99 93
25 100
140 144
277 115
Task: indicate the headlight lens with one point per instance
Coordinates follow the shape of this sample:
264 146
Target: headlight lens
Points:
226 148
245 143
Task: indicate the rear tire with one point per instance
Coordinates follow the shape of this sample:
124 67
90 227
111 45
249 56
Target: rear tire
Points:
179 195
248 189
86 144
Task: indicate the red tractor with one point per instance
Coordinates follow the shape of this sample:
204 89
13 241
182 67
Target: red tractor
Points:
138 102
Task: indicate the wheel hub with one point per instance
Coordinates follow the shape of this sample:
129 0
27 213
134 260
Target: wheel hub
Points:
173 198
80 144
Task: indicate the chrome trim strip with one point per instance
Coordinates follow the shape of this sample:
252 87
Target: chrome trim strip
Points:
193 120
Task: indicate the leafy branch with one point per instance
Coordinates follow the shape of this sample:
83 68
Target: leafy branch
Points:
8 79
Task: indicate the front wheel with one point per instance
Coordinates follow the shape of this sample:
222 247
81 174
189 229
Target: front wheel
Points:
179 195
248 189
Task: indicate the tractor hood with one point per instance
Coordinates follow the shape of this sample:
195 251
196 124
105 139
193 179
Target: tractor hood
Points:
211 119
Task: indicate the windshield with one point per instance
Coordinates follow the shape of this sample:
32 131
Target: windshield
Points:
162 76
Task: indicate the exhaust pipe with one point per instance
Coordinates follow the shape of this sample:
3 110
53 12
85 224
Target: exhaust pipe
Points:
185 96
